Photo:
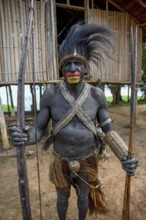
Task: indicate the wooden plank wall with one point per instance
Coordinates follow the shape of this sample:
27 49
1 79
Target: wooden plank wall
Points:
119 70
13 18
13 21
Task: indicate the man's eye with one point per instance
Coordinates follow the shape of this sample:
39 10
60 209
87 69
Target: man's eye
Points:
66 65
77 63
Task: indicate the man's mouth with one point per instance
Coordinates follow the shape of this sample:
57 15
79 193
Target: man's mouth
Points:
73 77
72 74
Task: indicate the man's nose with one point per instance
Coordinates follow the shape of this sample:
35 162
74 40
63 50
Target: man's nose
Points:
72 67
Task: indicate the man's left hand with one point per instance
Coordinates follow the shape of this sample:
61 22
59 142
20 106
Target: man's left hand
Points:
129 165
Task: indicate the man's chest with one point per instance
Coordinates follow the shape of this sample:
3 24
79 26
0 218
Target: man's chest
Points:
60 108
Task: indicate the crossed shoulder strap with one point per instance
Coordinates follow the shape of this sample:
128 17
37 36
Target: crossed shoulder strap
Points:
75 109
74 104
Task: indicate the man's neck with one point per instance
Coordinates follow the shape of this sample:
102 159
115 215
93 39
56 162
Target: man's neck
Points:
75 89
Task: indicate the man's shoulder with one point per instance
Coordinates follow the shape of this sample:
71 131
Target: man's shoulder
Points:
52 91
99 96
50 95
96 91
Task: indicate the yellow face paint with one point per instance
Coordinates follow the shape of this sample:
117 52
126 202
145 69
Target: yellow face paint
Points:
73 79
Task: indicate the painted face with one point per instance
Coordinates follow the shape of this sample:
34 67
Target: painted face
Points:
73 72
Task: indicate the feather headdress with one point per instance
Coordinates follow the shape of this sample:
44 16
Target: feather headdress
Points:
86 43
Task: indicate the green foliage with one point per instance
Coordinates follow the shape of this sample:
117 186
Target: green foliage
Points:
144 62
5 108
124 98
109 99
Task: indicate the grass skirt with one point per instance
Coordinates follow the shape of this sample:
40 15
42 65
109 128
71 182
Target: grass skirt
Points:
59 175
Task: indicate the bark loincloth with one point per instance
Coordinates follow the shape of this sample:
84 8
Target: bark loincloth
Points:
60 176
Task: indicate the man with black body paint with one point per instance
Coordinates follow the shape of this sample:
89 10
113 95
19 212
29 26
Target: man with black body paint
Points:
75 140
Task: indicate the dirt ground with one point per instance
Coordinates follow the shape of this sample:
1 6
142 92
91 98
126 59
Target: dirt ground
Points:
111 175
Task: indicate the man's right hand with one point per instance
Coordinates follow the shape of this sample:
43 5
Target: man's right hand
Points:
18 137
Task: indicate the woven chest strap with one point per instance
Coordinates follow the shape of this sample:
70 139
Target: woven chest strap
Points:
75 106
75 109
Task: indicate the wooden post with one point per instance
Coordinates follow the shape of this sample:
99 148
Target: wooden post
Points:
68 2
8 104
32 89
86 11
3 128
11 101
128 95
107 10
40 87
52 40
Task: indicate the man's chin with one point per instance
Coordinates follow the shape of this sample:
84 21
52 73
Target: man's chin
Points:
73 79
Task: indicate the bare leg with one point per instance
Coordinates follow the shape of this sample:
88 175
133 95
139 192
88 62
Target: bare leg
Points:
62 202
82 190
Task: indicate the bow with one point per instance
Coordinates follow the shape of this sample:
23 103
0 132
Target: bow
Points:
21 160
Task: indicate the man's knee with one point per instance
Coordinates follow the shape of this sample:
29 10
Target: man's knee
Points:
62 197
83 198
83 204
62 203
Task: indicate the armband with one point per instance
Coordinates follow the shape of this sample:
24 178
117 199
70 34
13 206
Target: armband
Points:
106 122
116 144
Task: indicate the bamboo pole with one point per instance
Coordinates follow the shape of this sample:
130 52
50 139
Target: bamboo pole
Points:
39 40
86 10
139 49
36 48
50 36
3 128
11 42
107 24
32 89
40 89
4 40
1 51
15 38
50 49
21 17
43 40
11 101
25 8
71 7
50 41
37 69
124 46
54 38
8 103
7 40
19 33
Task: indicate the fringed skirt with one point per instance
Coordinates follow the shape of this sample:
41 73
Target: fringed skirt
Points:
59 175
